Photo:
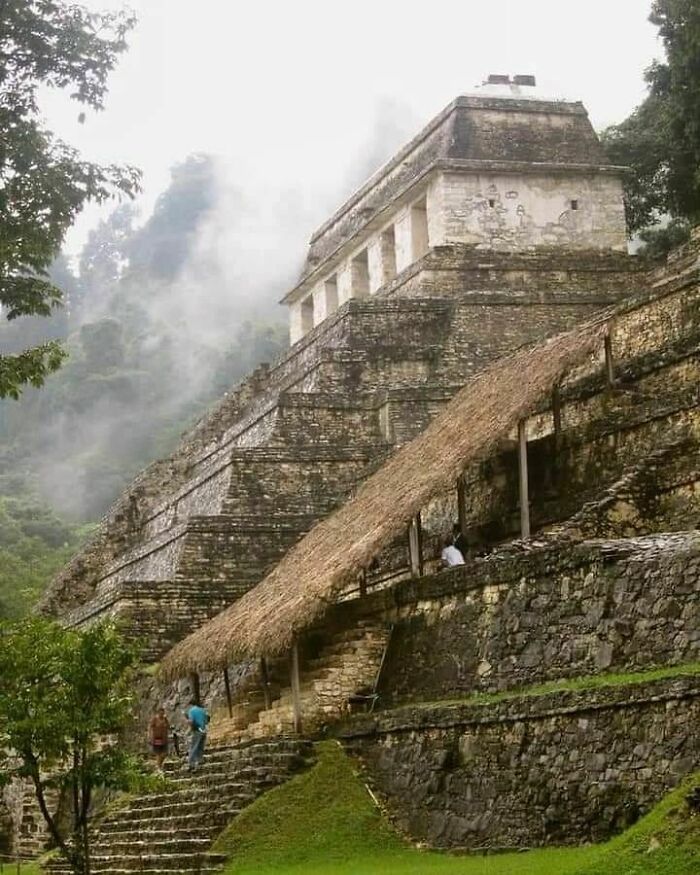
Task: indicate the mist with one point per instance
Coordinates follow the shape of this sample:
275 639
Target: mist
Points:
166 312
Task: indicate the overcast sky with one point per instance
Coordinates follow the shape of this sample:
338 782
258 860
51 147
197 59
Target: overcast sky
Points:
290 90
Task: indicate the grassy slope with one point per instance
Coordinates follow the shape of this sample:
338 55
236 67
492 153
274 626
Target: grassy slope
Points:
325 822
574 684
665 842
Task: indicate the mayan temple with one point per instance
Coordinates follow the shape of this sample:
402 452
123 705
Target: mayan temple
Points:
473 350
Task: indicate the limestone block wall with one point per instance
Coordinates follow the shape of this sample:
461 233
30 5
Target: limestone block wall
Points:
273 484
458 269
530 616
364 347
564 768
522 211
589 460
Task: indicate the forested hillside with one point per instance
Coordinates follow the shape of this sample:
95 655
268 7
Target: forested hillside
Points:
156 329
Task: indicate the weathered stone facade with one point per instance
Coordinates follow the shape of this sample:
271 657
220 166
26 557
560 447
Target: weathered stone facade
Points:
531 616
496 173
553 769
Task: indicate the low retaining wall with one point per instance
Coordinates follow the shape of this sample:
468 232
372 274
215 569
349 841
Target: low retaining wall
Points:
562 768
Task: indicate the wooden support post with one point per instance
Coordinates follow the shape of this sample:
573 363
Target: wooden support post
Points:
265 678
609 361
462 506
363 583
556 416
296 695
524 491
414 547
196 695
227 685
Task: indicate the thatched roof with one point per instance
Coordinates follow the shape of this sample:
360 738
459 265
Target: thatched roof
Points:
266 619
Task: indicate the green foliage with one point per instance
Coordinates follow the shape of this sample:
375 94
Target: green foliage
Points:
659 241
34 544
44 183
64 695
660 141
324 822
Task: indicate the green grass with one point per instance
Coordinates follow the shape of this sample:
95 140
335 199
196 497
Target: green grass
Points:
588 682
665 842
9 868
324 822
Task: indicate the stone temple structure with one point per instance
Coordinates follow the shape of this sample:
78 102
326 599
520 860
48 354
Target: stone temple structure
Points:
310 507
501 170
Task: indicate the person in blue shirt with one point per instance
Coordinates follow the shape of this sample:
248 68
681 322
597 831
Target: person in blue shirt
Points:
199 720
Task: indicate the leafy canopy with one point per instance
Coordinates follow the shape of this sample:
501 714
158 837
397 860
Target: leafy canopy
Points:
64 695
44 182
660 141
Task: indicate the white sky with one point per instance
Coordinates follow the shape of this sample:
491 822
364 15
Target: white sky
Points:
288 91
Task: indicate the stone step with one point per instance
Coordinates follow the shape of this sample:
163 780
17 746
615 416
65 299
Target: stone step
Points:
185 793
158 864
162 812
139 846
171 831
245 749
200 868
224 767
189 823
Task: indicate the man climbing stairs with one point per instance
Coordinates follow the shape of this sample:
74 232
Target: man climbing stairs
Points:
173 830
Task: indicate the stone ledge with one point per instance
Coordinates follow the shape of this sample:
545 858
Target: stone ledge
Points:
534 707
514 562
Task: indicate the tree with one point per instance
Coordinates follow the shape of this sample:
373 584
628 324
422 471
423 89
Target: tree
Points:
44 183
64 695
660 141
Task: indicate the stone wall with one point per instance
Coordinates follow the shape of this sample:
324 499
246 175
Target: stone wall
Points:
562 768
522 211
529 615
461 270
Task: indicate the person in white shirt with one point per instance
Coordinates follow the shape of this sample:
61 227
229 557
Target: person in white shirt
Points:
451 555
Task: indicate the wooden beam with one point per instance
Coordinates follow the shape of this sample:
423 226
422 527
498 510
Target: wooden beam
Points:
609 361
462 506
196 694
363 583
556 416
524 491
296 694
265 678
227 685
415 552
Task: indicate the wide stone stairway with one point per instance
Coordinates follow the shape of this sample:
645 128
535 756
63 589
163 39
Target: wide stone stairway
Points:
173 830
347 664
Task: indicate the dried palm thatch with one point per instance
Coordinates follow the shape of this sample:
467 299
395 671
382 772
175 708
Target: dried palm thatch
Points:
266 620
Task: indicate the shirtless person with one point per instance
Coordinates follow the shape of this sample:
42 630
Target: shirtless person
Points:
158 732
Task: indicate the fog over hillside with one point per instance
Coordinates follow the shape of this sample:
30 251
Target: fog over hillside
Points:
163 314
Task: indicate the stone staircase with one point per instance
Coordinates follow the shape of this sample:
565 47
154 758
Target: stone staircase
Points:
348 663
33 835
172 831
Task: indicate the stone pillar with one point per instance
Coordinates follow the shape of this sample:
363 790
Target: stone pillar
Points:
344 283
320 304
402 231
376 272
295 329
